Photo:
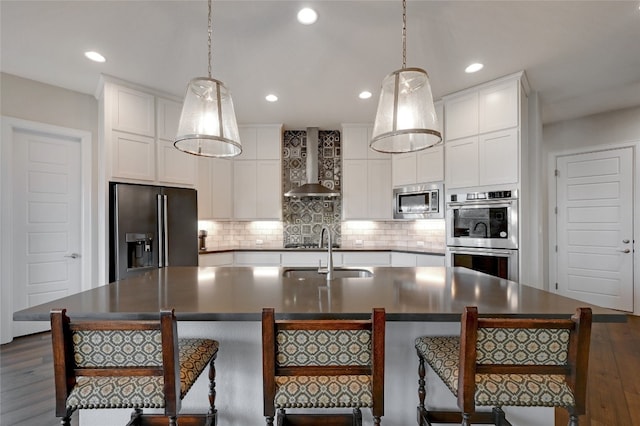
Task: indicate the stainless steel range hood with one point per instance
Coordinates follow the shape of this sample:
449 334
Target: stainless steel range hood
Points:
312 188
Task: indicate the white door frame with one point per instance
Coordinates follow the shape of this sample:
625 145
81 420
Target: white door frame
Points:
9 126
553 234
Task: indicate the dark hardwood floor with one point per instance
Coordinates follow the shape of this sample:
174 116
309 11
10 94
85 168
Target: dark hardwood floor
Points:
26 379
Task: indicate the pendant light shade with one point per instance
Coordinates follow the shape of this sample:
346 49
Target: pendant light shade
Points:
208 125
406 119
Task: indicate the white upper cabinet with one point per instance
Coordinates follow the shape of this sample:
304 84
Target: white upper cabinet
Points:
461 114
422 166
215 200
174 166
257 174
366 176
138 131
132 111
483 134
498 107
355 143
260 142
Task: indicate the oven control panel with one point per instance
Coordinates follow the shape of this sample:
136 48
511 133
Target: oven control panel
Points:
489 195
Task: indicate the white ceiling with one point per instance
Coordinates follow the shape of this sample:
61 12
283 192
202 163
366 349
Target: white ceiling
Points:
583 57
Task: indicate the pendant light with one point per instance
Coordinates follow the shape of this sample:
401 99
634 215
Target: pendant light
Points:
208 125
406 119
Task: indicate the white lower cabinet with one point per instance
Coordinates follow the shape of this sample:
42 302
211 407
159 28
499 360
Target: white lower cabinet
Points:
253 258
399 259
309 259
429 260
216 259
371 258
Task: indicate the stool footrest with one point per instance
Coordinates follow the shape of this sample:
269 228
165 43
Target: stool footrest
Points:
183 420
426 417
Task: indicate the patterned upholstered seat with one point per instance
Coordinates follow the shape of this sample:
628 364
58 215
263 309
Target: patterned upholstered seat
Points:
323 364
509 363
128 364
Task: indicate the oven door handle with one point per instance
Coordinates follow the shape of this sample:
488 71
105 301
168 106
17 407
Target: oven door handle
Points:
480 203
482 251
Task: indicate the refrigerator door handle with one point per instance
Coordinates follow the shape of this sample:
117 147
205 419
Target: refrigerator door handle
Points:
160 231
165 235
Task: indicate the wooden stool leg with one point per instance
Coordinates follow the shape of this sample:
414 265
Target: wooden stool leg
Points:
573 420
212 389
421 383
466 419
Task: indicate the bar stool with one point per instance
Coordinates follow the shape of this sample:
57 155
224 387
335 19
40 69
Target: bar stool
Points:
322 364
500 362
129 364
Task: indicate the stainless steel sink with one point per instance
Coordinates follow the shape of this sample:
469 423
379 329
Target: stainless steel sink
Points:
311 273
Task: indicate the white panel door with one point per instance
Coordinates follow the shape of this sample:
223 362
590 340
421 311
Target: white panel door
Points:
595 227
47 218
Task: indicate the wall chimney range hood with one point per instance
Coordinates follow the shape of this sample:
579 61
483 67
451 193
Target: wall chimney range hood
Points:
312 188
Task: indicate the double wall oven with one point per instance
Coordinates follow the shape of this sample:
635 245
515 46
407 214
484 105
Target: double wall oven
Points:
482 232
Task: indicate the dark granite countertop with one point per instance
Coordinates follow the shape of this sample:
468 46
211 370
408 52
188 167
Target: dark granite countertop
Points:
233 293
414 250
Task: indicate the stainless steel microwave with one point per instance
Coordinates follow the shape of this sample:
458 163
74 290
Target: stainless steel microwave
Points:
422 201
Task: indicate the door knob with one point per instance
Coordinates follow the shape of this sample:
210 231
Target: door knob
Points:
624 251
73 255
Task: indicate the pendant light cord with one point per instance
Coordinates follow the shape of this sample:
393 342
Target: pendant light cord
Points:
209 42
404 34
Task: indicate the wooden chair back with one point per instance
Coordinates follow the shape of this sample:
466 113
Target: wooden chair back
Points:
136 348
282 338
524 346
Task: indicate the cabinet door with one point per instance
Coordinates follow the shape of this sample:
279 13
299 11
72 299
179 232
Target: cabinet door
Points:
403 169
461 116
354 142
371 258
268 190
133 157
215 259
221 189
429 260
133 111
430 165
403 259
498 157
380 197
175 166
244 193
461 158
250 258
354 189
268 142
249 140
168 118
204 188
498 107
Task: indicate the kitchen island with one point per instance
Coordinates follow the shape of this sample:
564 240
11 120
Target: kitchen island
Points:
225 303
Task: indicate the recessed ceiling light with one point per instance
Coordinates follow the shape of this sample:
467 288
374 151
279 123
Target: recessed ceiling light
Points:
95 56
307 16
364 95
271 98
474 68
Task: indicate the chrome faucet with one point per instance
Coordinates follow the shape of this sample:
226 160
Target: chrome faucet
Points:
329 270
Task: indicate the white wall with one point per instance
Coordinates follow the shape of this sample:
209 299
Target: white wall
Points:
615 128
42 103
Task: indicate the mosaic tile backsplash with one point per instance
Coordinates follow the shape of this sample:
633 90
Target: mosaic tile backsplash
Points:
304 217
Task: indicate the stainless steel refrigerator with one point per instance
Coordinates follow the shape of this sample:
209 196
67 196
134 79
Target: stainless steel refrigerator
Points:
151 227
